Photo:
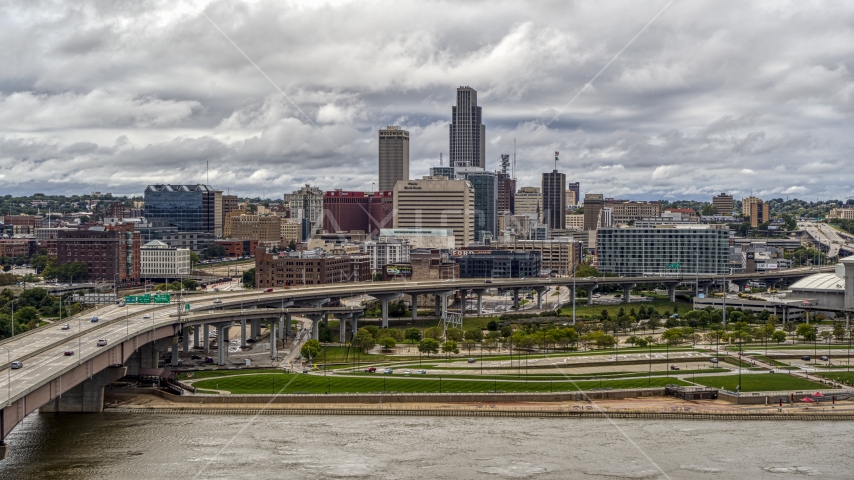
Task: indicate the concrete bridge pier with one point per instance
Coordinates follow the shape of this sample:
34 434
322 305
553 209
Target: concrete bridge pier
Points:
438 305
627 292
185 340
385 299
342 328
326 318
287 325
540 292
280 333
590 289
315 325
516 298
414 302
196 340
175 358
443 303
206 341
221 343
242 333
671 291
704 288
479 294
272 339
255 329
87 397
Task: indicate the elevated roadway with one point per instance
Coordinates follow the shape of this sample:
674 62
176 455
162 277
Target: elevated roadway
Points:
135 334
833 240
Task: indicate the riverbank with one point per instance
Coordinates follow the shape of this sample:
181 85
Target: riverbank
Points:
652 407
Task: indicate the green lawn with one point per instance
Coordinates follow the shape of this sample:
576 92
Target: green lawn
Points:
296 383
847 377
595 310
223 373
759 382
776 363
550 376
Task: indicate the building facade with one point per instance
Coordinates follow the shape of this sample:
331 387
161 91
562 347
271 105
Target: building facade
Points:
575 188
663 250
393 157
159 260
500 264
722 204
485 201
529 201
843 213
554 200
301 268
760 212
386 251
467 133
110 255
429 238
746 204
307 202
593 204
626 212
349 211
575 221
506 194
436 203
191 208
265 229
559 256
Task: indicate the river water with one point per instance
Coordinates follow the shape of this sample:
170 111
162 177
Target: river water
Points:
144 446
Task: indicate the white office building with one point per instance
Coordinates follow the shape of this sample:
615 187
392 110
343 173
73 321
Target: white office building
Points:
159 260
386 250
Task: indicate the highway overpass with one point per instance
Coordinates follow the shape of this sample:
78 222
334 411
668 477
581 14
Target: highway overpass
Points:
54 381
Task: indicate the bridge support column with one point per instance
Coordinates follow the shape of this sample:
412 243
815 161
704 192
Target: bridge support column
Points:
539 299
385 299
175 358
590 294
627 293
185 337
354 323
280 333
196 341
87 397
516 299
272 339
287 325
221 344
479 294
206 341
671 292
242 333
255 331
326 318
315 325
414 297
342 329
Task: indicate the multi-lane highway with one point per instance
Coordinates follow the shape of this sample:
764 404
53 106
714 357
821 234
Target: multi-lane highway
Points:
829 237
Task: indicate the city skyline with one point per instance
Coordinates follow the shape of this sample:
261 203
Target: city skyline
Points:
698 104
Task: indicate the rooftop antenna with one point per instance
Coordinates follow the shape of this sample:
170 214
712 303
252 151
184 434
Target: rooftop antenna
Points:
208 171
505 163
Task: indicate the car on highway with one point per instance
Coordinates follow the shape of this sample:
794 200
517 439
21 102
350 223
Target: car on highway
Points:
713 360
16 365
94 319
269 290
823 358
388 371
68 353
421 372
371 370
472 360
674 367
146 316
65 326
805 358
217 300
102 342
407 372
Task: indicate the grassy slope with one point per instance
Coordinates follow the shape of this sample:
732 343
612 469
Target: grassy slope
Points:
760 382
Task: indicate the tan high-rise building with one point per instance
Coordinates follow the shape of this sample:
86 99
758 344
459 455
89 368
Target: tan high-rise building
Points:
436 202
593 204
226 223
218 216
722 204
228 203
575 221
290 229
746 205
571 198
529 201
760 213
393 157
624 211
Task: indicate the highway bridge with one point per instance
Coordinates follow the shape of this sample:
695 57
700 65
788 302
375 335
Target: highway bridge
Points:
66 370
830 239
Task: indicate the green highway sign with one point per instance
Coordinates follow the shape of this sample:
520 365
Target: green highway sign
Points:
143 298
187 306
673 265
162 298
130 299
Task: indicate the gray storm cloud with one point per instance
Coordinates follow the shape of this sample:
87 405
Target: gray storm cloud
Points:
713 96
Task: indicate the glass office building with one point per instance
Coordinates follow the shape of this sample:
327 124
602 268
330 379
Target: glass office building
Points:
485 200
191 208
663 250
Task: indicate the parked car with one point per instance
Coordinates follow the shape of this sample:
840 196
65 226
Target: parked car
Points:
713 360
17 364
823 358
208 360
68 353
94 319
388 371
674 367
407 372
65 326
472 360
217 300
146 316
102 342
421 372
805 358
371 370
195 357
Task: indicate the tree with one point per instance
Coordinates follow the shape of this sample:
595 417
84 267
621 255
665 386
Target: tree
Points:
364 340
492 326
249 278
428 346
388 343
806 331
412 334
433 332
310 349
214 251
489 344
653 322
450 346
778 336
292 245
194 258
190 284
454 334
474 334
839 330
468 345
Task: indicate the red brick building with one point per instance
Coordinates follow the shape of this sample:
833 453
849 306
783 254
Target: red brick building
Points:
110 253
18 247
274 271
348 211
236 248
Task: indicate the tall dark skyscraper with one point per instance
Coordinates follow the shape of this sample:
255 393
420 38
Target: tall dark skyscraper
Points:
554 200
468 135
393 157
191 208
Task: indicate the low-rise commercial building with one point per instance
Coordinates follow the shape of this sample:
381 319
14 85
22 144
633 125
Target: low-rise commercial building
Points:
265 229
499 264
844 213
308 268
558 256
109 254
159 260
430 238
386 251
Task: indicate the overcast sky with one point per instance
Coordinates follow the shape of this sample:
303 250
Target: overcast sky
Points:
712 96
